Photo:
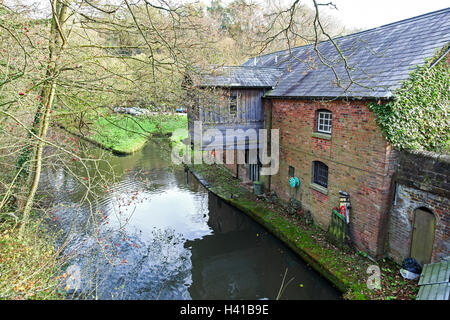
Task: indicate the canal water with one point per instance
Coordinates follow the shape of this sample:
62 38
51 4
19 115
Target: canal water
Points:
157 233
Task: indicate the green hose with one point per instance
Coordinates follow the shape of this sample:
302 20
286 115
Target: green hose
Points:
294 182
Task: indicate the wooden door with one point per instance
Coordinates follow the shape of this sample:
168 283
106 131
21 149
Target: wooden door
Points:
423 236
253 172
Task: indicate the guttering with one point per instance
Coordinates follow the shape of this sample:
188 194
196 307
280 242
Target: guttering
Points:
233 87
440 58
328 98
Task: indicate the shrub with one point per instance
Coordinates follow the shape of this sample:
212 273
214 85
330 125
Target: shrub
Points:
418 116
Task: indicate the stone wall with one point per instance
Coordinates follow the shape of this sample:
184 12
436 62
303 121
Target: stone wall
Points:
422 181
359 161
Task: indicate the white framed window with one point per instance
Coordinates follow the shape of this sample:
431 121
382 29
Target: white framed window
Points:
324 122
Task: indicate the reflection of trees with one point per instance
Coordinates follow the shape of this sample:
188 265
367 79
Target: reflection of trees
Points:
159 269
154 269
239 260
76 203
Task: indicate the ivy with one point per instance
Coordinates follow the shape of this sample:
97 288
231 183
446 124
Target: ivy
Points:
418 116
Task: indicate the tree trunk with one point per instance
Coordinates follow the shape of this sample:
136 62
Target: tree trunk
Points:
41 121
37 161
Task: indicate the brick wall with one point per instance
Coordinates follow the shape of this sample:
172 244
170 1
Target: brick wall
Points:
359 162
423 181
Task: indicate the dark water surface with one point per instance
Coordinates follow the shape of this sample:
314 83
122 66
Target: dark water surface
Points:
156 233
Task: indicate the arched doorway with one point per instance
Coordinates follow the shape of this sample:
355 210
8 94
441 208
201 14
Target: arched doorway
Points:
423 235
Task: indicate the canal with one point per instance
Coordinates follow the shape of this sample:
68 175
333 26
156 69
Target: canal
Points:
157 233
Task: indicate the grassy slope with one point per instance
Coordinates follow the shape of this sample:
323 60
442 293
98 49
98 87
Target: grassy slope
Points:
126 134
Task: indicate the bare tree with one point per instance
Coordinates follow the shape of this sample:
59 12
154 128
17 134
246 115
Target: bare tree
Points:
75 63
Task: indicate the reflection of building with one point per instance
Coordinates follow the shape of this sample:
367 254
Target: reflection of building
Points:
241 261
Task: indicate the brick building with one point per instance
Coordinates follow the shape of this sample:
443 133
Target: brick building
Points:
354 158
329 139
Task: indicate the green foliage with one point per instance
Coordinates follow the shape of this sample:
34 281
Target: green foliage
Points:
29 266
418 116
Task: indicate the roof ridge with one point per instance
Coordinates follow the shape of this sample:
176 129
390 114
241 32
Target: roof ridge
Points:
415 18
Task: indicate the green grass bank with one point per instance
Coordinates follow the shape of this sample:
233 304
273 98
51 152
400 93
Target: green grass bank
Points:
125 134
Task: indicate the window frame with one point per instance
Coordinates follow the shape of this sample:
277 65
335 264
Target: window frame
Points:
325 122
291 172
318 174
233 97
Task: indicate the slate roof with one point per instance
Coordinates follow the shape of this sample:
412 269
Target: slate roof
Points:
381 57
241 77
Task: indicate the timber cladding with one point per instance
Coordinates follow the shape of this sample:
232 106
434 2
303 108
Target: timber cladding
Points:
359 161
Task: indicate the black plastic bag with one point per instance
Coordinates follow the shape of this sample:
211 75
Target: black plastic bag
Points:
411 265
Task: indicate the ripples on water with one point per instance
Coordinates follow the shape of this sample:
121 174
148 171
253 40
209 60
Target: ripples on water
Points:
157 234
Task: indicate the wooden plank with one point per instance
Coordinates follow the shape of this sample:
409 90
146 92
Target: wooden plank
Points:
435 272
424 293
423 235
261 106
243 112
433 292
443 273
447 271
427 277
250 111
439 291
434 282
257 103
443 291
423 274
420 294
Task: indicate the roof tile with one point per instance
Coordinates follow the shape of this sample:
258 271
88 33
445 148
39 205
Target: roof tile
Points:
384 56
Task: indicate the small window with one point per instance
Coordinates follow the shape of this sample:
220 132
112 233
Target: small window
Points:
291 171
233 104
320 174
324 121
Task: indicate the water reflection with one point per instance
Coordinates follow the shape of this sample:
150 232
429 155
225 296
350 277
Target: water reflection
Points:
157 234
241 260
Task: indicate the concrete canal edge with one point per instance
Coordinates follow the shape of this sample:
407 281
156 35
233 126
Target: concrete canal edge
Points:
308 256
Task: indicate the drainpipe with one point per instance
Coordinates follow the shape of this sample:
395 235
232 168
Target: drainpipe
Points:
269 137
237 165
440 58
